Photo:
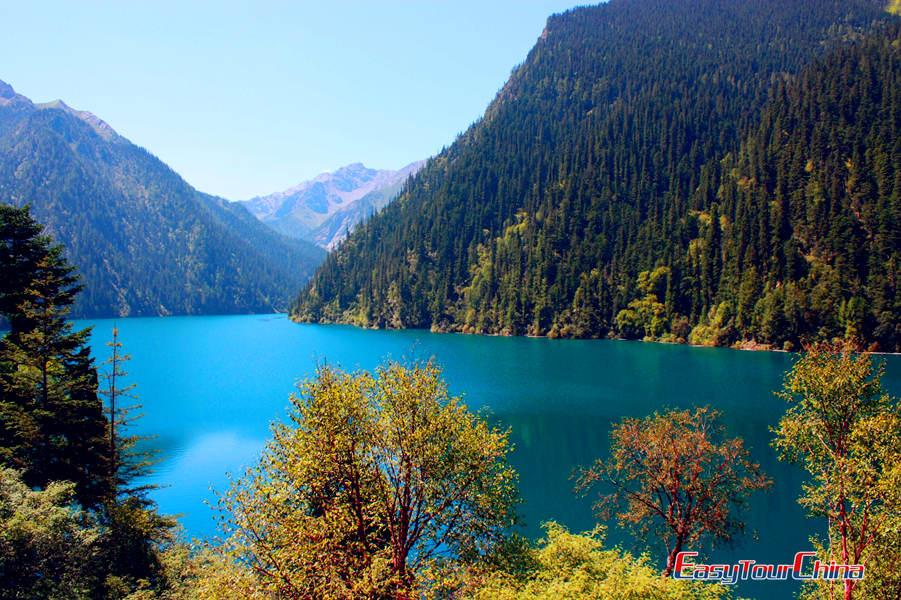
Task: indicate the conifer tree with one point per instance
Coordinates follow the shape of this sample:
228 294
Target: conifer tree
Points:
52 426
132 529
126 461
761 172
52 422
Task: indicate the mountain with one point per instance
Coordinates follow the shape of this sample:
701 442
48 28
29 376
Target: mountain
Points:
812 235
325 208
589 199
334 229
145 242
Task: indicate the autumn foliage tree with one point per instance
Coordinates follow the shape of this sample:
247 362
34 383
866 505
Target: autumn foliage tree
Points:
675 478
377 477
845 431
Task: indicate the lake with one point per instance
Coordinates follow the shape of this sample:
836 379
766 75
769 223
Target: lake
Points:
211 386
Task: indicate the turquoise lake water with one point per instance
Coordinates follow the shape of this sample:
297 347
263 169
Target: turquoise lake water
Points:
211 386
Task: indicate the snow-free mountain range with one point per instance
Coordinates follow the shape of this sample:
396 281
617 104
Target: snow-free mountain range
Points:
324 209
147 243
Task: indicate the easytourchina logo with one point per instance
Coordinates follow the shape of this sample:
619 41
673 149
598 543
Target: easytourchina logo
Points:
805 567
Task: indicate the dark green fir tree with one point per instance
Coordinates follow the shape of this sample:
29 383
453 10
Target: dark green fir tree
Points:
52 426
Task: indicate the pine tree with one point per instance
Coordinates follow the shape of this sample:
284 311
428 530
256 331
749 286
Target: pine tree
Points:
132 529
21 246
762 171
52 426
127 462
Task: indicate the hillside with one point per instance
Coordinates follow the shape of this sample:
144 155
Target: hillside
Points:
585 188
810 209
145 242
325 208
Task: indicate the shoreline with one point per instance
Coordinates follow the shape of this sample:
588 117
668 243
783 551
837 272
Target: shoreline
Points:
743 345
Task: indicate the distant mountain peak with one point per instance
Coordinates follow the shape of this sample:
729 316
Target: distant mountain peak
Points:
9 96
6 90
324 208
102 128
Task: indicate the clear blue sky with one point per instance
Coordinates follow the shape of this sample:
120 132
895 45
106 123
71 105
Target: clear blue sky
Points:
244 99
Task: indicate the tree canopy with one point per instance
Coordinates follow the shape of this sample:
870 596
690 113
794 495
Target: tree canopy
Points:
44 542
377 477
580 567
845 431
52 426
676 480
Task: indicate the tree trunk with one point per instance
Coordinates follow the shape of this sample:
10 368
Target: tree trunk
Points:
403 577
671 559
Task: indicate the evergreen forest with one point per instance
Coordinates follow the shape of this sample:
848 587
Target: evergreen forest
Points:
705 171
146 242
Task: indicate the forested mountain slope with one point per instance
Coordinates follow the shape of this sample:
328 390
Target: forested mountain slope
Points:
809 212
599 160
144 241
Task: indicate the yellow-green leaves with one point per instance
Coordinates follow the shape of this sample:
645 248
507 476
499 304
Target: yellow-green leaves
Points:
45 545
378 475
579 567
846 433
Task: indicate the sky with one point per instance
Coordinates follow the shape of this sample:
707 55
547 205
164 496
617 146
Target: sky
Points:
248 98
